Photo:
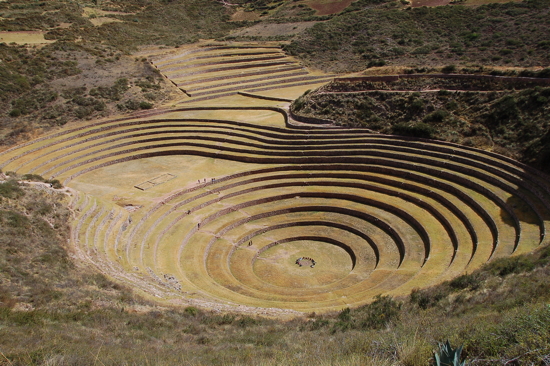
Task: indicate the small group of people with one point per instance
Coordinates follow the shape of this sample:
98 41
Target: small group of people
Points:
299 261
212 180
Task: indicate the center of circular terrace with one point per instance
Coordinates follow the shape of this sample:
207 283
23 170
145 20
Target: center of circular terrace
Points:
280 264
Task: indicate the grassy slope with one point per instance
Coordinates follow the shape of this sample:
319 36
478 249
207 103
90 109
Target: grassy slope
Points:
63 82
512 34
75 80
143 22
511 122
52 312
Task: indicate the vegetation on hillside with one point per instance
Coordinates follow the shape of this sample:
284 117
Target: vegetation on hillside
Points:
48 87
140 22
511 34
479 113
57 313
88 72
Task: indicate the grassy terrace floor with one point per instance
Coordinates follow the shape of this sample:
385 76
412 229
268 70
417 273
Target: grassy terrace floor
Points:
210 202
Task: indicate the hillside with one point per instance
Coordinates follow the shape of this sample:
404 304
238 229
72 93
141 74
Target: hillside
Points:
511 34
89 72
505 117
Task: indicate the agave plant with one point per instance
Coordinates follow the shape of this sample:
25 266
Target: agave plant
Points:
448 356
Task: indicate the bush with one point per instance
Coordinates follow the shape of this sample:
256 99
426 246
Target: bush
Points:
471 281
417 105
33 177
11 189
14 219
15 112
449 69
504 109
420 129
524 335
145 105
505 266
246 321
436 116
428 298
54 183
190 310
379 313
83 112
376 63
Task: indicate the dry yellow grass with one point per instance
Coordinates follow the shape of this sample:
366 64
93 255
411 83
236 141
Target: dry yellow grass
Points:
24 37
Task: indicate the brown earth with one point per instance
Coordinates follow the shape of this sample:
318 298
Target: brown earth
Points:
96 72
274 29
24 37
419 3
241 15
327 7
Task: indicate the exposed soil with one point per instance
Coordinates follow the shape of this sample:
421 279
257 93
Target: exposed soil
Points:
241 15
274 29
103 20
419 3
91 12
325 7
99 17
24 37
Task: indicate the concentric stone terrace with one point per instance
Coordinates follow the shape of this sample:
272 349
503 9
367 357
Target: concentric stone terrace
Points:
220 70
379 214
213 206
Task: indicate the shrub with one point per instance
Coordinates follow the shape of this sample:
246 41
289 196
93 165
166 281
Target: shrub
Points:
224 319
246 321
505 109
505 266
417 105
379 313
449 69
428 298
55 183
420 129
190 310
130 104
376 63
11 189
15 112
344 321
436 116
471 281
83 112
298 104
524 335
32 177
15 219
113 93
145 105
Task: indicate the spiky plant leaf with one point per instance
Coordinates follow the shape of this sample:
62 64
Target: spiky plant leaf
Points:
447 356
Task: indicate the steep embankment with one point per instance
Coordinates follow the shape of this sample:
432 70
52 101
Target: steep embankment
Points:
511 34
507 115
